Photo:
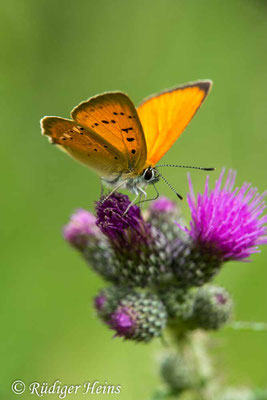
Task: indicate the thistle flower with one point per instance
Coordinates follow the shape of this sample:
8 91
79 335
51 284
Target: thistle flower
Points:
228 221
227 224
83 234
139 317
108 299
163 205
162 214
80 229
123 230
123 322
100 302
142 251
167 260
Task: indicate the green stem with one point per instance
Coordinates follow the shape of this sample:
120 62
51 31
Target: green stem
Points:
191 347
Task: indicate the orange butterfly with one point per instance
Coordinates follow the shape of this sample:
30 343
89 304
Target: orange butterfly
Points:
121 143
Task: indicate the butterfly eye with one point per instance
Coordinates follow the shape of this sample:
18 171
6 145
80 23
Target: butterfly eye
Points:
148 174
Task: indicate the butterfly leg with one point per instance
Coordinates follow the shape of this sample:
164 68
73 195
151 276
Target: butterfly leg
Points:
101 189
154 198
135 190
141 201
112 191
143 192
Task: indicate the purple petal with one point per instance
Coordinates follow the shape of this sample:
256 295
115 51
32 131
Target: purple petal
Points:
228 219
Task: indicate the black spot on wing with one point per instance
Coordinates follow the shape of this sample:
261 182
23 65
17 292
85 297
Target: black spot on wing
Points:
127 129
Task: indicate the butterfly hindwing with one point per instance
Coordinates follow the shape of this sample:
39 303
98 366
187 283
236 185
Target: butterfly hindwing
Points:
113 117
85 146
164 116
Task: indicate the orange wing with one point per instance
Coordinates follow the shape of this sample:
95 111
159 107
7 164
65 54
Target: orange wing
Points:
113 117
85 146
164 116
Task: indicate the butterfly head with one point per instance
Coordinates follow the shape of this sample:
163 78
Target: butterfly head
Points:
135 184
150 175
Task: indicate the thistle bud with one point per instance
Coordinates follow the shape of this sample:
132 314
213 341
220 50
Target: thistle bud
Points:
178 302
100 256
139 316
107 300
162 213
212 307
193 265
177 373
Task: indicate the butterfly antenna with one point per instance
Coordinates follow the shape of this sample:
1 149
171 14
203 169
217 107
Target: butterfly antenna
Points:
186 166
170 186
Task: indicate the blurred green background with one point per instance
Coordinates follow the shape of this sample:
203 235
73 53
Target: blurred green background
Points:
55 54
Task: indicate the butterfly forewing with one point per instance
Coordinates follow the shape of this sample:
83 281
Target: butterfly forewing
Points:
85 146
113 117
164 116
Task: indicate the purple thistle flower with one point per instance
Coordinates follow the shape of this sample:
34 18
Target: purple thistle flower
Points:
82 233
100 301
129 230
163 205
142 252
227 221
81 227
107 301
162 214
220 298
122 322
